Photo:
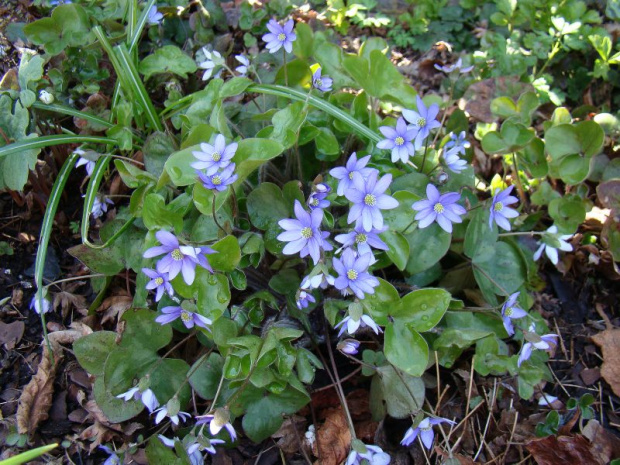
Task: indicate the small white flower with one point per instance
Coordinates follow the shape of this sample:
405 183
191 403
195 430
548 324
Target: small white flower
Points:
46 97
212 61
245 64
555 242
43 305
546 399
162 413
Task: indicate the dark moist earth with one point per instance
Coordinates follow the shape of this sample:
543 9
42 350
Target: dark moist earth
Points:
578 305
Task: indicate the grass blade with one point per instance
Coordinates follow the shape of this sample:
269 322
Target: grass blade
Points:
28 455
63 110
48 141
281 91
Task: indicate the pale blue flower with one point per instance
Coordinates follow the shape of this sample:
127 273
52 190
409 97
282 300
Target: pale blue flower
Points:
363 239
318 198
159 282
215 427
100 206
511 311
42 305
499 211
374 455
544 342
459 143
179 258
551 242
162 413
369 199
453 161
214 157
424 119
441 208
425 430
303 234
398 140
280 36
349 346
322 83
154 16
245 65
218 181
353 274
147 397
113 459
344 174
304 298
188 318
454 67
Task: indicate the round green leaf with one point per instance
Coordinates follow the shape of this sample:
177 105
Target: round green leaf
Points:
427 246
228 254
498 269
398 248
92 350
422 309
380 303
400 217
405 348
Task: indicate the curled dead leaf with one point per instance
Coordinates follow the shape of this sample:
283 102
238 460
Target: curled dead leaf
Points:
562 450
333 438
11 333
609 342
36 398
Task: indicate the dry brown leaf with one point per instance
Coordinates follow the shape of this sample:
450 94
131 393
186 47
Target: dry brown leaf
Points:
563 450
36 398
66 298
609 342
291 434
11 334
604 444
333 438
114 307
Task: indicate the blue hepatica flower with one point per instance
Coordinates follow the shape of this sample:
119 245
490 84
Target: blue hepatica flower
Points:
425 431
454 67
544 342
322 83
374 455
245 65
100 206
452 160
318 198
280 36
88 159
551 242
159 282
425 120
303 234
349 346
499 211
304 298
193 447
511 311
363 239
113 459
154 17
369 199
189 319
344 174
459 143
353 274
216 424
179 258
42 305
218 181
441 208
214 157
163 412
147 397
398 140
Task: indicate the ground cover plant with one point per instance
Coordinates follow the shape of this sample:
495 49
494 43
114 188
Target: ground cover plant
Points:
282 242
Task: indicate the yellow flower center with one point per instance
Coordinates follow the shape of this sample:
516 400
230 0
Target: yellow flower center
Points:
216 180
370 200
177 255
360 238
217 156
318 83
186 316
499 206
508 311
282 37
421 122
159 281
439 208
399 141
351 175
314 202
426 428
306 233
352 275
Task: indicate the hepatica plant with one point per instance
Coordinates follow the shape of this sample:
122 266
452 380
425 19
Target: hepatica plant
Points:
278 211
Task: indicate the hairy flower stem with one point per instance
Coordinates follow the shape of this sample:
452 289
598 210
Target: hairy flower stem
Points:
424 156
343 399
192 371
284 65
175 347
215 217
217 393
74 278
515 170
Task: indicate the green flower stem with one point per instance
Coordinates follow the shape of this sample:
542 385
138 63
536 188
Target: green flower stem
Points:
402 379
523 233
486 275
217 393
215 217
63 110
338 384
75 278
284 65
424 156
192 370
